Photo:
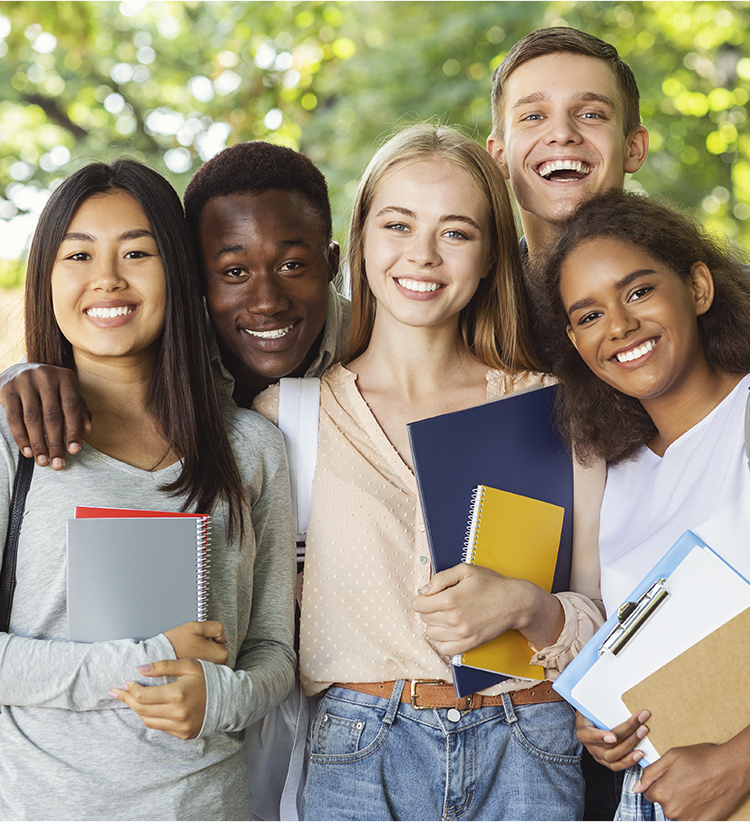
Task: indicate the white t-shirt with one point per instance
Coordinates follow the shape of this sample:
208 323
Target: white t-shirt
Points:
702 483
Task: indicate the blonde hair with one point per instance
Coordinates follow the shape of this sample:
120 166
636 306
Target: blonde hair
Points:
494 325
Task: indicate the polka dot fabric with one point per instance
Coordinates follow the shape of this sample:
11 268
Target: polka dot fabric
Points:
367 552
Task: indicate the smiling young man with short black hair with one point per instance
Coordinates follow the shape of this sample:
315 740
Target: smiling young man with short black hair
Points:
261 220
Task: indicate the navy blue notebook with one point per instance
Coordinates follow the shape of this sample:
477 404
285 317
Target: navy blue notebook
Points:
511 444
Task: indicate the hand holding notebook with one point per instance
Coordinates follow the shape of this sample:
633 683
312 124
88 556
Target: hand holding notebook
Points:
689 594
519 537
512 444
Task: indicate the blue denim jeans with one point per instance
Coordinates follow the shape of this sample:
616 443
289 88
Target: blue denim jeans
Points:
375 758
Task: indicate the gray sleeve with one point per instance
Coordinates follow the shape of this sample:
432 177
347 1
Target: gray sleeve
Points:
75 676
264 672
57 674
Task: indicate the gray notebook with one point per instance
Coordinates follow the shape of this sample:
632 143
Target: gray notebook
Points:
135 577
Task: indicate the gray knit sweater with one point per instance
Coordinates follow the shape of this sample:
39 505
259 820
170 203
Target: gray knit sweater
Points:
69 751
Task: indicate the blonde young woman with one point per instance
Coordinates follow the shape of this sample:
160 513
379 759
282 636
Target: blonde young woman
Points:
438 326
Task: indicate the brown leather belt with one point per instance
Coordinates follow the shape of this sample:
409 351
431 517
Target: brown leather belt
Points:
433 693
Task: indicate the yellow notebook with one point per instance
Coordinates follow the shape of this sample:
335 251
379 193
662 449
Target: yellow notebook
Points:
518 537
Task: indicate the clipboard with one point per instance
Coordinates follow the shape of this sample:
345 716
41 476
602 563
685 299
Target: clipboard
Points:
688 594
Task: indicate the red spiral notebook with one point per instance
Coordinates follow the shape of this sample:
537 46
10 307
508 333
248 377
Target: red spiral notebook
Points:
135 574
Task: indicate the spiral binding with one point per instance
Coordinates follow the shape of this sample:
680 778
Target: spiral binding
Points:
470 540
203 565
472 525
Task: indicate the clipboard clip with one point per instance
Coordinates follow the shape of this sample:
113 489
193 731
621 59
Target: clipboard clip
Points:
632 615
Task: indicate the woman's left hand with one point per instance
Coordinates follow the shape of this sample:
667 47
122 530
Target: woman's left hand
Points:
177 708
696 782
458 606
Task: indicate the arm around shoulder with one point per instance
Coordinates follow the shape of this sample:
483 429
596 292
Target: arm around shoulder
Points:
44 411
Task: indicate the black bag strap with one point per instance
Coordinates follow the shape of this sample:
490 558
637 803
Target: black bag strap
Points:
21 485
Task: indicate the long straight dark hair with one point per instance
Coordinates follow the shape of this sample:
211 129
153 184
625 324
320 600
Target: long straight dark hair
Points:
182 394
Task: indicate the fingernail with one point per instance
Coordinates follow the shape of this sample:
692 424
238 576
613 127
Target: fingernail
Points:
112 694
74 447
637 787
143 668
610 739
57 463
41 460
27 452
124 687
425 589
641 732
643 716
637 755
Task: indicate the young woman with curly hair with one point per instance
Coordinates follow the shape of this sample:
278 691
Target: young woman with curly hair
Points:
649 322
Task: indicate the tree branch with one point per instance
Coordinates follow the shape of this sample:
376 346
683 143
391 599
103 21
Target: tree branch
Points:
56 113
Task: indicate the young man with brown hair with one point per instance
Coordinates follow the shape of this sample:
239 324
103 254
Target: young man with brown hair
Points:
565 125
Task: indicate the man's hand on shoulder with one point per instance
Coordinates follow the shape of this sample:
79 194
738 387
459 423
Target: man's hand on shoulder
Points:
45 411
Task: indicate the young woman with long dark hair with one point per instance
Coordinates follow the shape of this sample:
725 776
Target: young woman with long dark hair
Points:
112 291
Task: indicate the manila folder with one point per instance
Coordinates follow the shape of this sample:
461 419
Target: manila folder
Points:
694 698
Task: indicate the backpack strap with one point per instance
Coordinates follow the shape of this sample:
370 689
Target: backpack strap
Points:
299 410
21 484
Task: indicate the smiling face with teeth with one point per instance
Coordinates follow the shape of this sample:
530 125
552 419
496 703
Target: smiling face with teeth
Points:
563 138
267 263
426 243
634 321
108 285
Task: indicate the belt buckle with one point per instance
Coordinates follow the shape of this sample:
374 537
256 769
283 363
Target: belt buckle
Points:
414 682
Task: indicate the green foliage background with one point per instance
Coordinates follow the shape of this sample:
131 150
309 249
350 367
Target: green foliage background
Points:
173 82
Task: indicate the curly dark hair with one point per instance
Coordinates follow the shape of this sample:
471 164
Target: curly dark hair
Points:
256 167
595 418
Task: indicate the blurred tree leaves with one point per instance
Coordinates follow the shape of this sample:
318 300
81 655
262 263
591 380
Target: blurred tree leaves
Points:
174 82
